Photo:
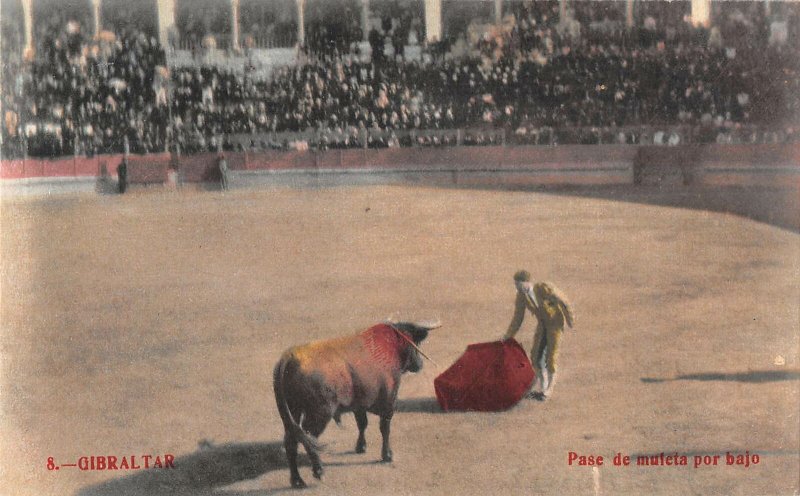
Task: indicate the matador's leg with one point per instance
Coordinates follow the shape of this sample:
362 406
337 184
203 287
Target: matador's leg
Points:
553 342
537 356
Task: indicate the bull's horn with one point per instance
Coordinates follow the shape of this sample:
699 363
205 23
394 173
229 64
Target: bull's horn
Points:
429 324
422 324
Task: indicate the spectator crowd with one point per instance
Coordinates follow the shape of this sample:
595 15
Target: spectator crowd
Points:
533 76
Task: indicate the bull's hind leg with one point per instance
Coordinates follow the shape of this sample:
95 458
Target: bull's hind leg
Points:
315 425
386 450
290 443
361 420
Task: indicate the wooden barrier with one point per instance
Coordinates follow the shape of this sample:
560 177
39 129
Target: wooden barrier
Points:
355 158
719 165
725 165
148 169
200 168
33 168
12 169
278 160
90 167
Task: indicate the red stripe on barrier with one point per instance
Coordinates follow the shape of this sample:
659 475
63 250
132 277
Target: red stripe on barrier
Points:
12 169
33 168
331 159
356 159
85 167
63 167
147 169
200 168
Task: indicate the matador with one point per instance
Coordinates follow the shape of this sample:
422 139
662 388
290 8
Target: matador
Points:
551 309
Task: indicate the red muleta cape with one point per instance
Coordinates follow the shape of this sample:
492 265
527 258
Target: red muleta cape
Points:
488 377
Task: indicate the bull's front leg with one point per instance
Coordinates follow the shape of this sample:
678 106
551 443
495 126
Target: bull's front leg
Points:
386 451
361 420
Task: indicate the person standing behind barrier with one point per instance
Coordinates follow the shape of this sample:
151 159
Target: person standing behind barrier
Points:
122 175
223 171
551 309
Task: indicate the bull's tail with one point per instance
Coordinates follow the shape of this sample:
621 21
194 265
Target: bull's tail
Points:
309 442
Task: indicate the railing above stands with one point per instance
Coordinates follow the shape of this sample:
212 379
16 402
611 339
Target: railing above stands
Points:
225 42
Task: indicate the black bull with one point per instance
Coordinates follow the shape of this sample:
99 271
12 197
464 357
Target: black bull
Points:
361 373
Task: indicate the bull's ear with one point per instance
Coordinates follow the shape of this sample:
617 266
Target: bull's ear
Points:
420 330
418 334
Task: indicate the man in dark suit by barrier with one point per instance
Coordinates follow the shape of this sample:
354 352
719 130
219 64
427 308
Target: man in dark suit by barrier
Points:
223 171
122 175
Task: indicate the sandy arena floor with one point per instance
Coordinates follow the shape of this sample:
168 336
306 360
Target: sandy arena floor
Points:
149 324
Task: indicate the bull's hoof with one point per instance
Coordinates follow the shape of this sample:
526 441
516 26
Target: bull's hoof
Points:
361 447
387 457
318 471
298 483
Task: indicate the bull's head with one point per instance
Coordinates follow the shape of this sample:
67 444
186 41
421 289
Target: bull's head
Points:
416 332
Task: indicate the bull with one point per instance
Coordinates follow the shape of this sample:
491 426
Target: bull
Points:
318 381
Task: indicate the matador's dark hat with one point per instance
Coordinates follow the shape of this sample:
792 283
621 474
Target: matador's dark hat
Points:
522 276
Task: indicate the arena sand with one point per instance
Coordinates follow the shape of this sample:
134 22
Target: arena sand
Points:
149 324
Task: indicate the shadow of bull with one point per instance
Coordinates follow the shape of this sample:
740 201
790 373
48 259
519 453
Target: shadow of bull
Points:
208 469
200 472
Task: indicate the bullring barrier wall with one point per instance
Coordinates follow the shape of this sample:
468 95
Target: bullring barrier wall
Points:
770 165
723 165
